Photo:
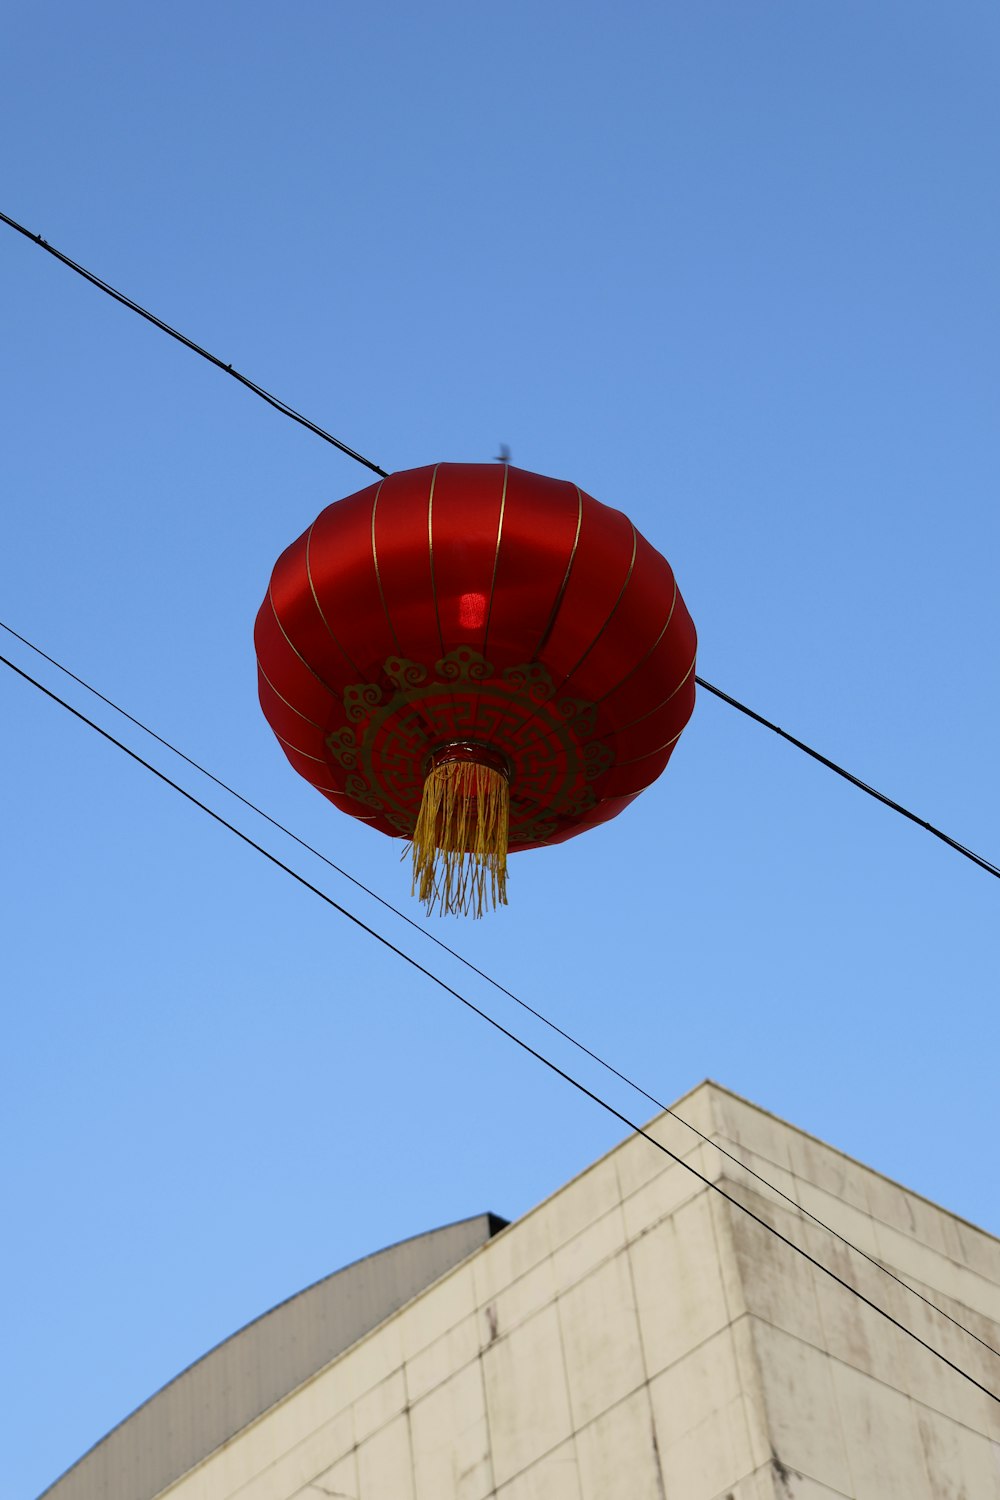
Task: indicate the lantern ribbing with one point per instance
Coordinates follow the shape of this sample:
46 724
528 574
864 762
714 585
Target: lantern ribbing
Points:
483 617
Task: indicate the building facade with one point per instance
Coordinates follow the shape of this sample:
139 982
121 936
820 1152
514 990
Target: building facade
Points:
635 1337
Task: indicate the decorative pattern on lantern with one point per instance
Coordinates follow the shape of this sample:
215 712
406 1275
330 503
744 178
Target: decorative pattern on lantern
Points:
479 660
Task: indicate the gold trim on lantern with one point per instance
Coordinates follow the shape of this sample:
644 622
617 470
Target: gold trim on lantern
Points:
319 759
285 701
496 557
319 608
311 670
565 583
430 555
646 654
648 754
621 728
378 575
614 610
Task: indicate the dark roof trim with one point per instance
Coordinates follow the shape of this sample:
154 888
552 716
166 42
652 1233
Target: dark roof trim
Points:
243 1377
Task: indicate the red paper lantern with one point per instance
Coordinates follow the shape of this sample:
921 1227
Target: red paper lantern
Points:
475 658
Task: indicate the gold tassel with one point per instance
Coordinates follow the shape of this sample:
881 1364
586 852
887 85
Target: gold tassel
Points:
460 839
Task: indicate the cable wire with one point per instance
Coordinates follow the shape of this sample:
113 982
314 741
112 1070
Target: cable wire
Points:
831 765
289 411
182 338
502 989
511 1036
296 416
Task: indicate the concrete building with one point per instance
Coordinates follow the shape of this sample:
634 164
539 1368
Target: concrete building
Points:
635 1337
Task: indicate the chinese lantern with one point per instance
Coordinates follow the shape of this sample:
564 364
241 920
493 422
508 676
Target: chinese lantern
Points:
479 660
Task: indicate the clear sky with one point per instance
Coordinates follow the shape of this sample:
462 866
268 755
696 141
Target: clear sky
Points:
731 266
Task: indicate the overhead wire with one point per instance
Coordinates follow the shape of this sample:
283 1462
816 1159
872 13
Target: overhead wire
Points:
182 338
831 765
296 416
498 1026
286 410
502 989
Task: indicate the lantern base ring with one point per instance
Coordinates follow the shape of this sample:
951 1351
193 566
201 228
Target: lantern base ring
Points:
460 839
477 751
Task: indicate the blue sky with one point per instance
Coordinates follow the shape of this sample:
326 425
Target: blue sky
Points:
731 267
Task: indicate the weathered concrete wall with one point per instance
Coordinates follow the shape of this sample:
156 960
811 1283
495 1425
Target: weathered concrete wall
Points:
637 1338
567 1360
851 1405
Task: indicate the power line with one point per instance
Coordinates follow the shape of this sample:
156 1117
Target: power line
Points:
511 1036
285 410
831 765
182 338
296 416
502 989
